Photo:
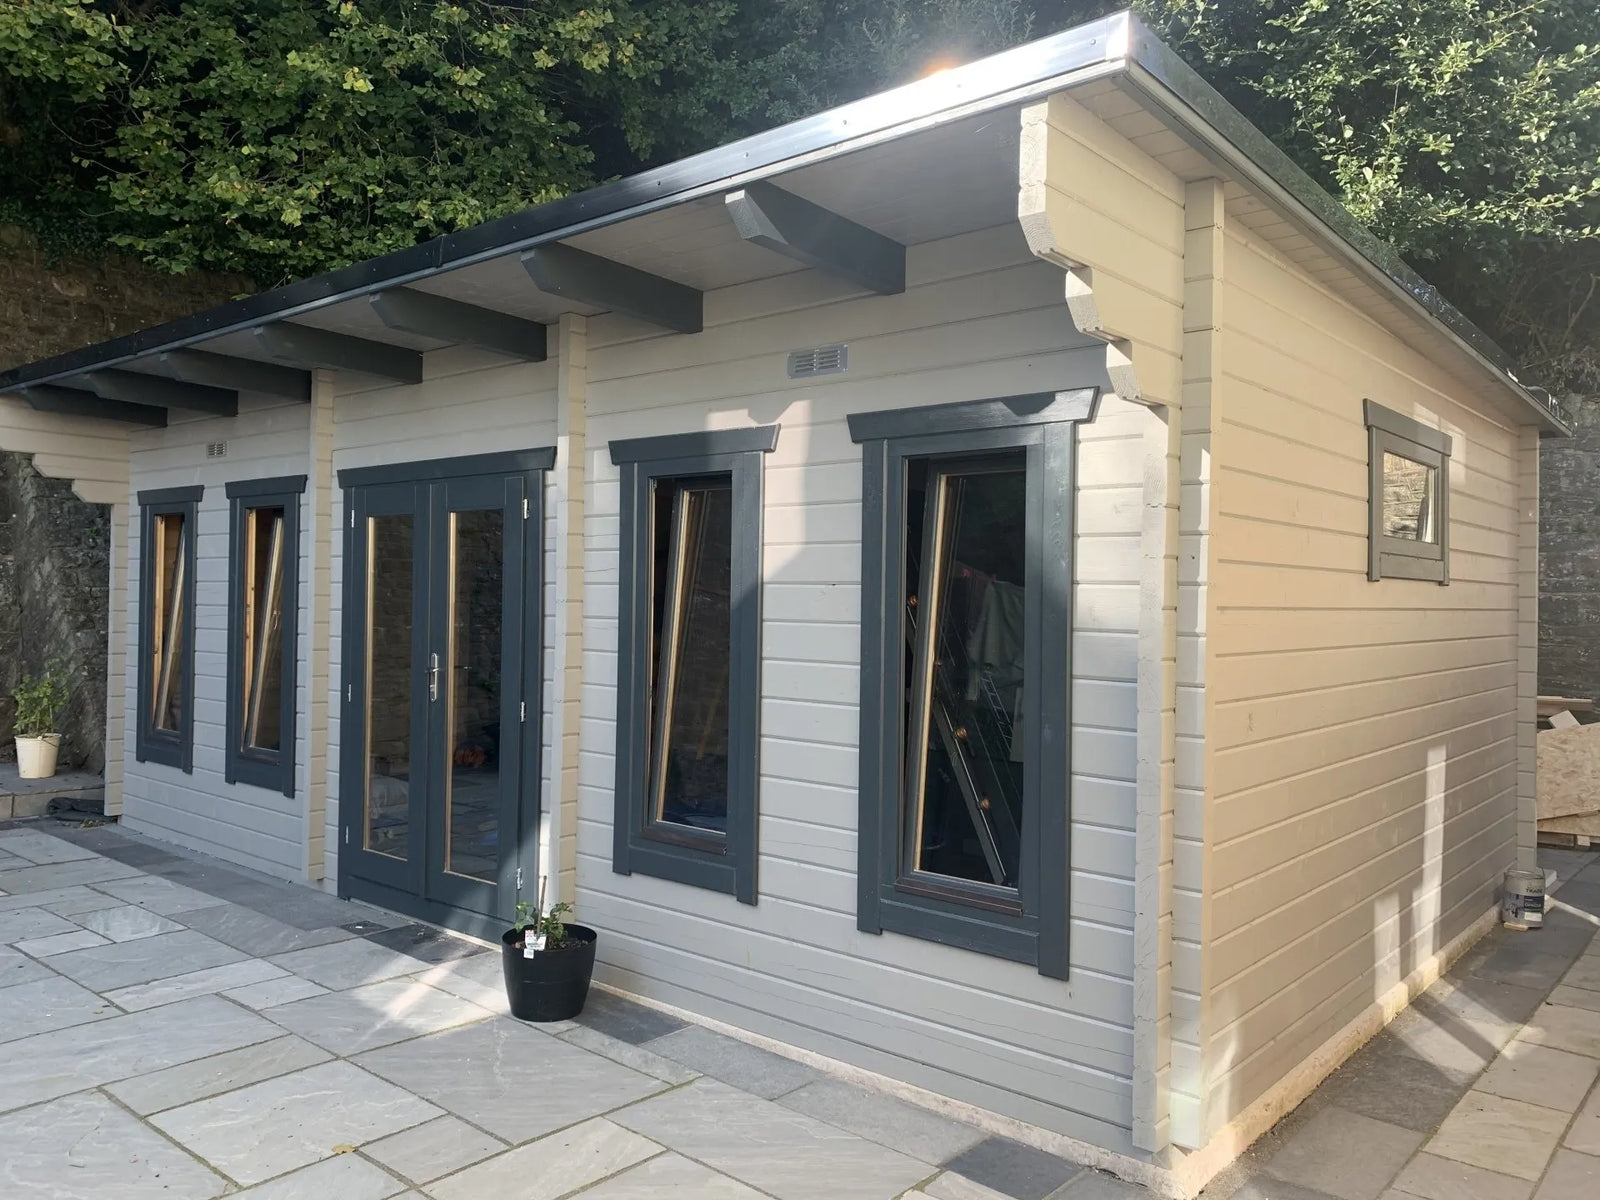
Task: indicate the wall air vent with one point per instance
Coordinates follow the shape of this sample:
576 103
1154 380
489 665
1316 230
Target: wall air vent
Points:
216 449
820 360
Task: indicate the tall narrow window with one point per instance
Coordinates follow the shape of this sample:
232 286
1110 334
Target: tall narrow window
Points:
1408 535
965 621
688 669
263 606
166 626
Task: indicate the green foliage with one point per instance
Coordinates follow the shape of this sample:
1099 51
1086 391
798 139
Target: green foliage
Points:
532 923
39 700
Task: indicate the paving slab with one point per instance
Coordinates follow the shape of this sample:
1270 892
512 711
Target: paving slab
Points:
25 924
375 1014
347 964
1584 1135
126 923
257 933
40 848
204 982
1013 1169
1574 1029
347 1177
916 1132
557 1165
1345 1154
122 964
1097 1185
60 943
771 1148
269 1128
1429 1177
481 1073
46 1004
629 1055
184 1084
55 876
157 894
750 1068
17 968
53 1064
1508 1136
626 1020
1575 997
86 1148
1584 973
285 989
1570 1177
427 1152
1398 1088
1540 1075
669 1176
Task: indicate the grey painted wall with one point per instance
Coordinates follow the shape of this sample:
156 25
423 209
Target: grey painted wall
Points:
1569 555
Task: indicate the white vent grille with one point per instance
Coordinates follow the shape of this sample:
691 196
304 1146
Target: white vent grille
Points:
820 360
216 449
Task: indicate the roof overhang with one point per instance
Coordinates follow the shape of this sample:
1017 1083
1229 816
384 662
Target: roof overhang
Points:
802 196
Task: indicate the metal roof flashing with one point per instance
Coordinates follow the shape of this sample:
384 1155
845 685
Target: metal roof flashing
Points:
1116 45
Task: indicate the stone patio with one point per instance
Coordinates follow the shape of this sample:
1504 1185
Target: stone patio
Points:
174 1027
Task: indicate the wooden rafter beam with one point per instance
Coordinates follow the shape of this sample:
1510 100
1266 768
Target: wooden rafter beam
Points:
307 346
590 279
464 324
134 388
69 402
240 374
821 239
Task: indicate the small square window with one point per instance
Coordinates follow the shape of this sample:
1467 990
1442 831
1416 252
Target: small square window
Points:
689 657
1409 499
166 627
263 574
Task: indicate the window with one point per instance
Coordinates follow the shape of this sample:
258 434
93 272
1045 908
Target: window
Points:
965 625
166 627
263 606
1409 498
689 657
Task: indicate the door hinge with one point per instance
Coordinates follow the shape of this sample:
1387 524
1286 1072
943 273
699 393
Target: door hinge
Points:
524 508
352 518
522 711
346 835
519 879
349 692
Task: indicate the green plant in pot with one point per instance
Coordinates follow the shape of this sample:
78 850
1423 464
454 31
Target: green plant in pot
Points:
39 700
548 962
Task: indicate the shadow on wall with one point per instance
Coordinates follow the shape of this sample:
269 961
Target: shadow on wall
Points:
54 560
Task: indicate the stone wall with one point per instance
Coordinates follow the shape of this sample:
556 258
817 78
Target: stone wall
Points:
53 546
1569 555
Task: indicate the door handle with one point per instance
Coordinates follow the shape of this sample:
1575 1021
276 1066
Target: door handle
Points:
433 677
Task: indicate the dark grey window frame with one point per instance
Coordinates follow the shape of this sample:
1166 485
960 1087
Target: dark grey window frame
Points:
272 769
725 863
1401 558
1032 928
151 744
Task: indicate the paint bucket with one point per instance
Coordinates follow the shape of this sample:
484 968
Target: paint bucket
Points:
1522 902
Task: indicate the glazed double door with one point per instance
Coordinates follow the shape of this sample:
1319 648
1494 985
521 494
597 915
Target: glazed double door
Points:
439 775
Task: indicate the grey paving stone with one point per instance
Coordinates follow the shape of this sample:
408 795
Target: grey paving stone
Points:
347 964
1012 1168
747 1067
127 923
1430 1177
1390 1085
46 1004
557 1165
883 1119
1570 1177
39 847
1097 1185
425 943
89 901
158 894
1584 973
52 899
1575 997
629 1055
55 876
346 1177
60 943
438 1148
1508 1136
1540 1075
17 968
1513 964
774 1149
479 979
266 1129
626 1020
1584 1135
122 964
1264 1187
376 1014
285 989
204 982
137 854
485 1074
84 1146
188 1082
53 1064
1574 1029
670 1175
256 933
1344 1154
25 924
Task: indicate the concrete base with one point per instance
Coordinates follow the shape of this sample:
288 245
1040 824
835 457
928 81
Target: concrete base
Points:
31 797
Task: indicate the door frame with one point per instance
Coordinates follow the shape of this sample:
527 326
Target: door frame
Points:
387 893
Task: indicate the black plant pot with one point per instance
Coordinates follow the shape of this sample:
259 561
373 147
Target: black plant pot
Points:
553 984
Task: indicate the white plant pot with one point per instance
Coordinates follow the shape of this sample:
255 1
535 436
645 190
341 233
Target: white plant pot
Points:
36 756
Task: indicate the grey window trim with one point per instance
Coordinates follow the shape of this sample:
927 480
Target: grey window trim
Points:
151 744
1401 558
263 768
720 864
1033 928
428 470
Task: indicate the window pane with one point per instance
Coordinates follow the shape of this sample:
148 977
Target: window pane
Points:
262 678
966 588
389 681
477 557
1408 489
168 677
692 542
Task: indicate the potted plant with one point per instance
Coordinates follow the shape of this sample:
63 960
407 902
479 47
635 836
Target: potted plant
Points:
547 962
39 701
